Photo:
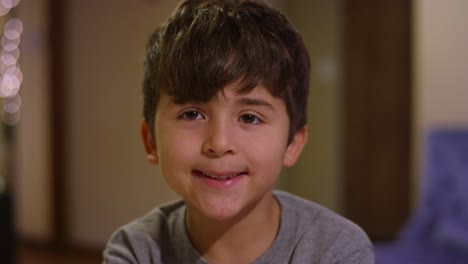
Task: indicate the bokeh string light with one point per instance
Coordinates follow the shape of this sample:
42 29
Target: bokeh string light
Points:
11 76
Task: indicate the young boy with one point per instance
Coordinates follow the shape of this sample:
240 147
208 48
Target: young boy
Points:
225 98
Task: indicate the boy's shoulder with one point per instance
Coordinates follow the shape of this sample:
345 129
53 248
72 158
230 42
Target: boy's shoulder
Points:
312 216
157 221
319 233
157 237
305 211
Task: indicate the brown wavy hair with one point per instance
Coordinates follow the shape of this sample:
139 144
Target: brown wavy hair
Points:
208 44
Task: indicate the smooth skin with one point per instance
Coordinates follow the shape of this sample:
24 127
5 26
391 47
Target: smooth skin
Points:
223 158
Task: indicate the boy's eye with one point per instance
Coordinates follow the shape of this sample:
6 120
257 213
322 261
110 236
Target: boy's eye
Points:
250 119
191 115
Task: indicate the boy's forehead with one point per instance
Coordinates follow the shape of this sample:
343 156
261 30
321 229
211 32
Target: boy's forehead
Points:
230 92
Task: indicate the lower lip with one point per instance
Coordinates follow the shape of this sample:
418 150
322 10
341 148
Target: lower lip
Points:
219 184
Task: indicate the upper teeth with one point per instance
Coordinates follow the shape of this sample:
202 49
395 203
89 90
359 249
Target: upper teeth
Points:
223 177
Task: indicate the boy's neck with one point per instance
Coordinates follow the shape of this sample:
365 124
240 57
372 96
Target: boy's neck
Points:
240 240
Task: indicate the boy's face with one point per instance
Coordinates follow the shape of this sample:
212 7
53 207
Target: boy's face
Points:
224 156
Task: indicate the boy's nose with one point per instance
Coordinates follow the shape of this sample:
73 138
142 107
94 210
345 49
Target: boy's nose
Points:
220 141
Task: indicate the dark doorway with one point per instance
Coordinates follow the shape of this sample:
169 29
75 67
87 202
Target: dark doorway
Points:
377 114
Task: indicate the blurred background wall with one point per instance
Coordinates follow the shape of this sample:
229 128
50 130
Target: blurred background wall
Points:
440 67
105 177
32 186
101 163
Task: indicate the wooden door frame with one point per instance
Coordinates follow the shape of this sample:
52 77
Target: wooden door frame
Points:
58 115
377 114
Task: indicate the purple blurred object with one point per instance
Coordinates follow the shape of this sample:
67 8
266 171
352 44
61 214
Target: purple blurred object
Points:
437 233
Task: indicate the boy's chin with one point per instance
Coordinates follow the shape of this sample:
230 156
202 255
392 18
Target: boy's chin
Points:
230 208
217 212
229 214
221 213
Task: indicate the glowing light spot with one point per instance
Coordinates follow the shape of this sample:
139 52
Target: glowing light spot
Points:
9 85
10 108
13 28
11 119
3 10
16 72
11 76
10 57
12 104
10 44
12 34
9 3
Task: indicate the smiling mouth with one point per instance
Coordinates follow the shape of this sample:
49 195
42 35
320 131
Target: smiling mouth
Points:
219 177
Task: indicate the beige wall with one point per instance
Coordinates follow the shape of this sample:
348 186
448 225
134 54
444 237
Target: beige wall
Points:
317 175
441 62
440 68
32 184
110 182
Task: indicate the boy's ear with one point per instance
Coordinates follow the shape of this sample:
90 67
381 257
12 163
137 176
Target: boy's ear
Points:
294 149
148 142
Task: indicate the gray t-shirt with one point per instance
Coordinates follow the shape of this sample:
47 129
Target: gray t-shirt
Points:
309 233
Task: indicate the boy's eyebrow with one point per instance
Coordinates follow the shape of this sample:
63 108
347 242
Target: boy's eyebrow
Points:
255 102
